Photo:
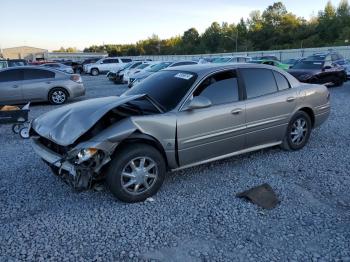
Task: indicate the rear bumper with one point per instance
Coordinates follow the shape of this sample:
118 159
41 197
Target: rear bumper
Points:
52 158
77 90
322 115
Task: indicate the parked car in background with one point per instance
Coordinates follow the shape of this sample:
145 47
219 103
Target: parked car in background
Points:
117 75
129 73
79 68
16 62
329 57
266 57
105 65
3 64
231 59
73 65
319 72
59 66
177 118
346 66
34 84
137 78
271 63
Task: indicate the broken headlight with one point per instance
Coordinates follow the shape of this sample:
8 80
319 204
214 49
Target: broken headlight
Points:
85 154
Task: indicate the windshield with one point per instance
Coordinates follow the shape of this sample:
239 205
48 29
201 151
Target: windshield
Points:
142 66
308 65
221 60
316 58
158 67
165 87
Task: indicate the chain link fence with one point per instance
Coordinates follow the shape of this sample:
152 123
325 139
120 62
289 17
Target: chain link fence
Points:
281 54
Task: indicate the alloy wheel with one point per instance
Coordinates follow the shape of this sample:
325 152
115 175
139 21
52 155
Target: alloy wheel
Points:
139 175
298 131
58 97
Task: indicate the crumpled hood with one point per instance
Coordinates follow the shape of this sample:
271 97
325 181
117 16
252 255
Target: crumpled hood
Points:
66 124
299 72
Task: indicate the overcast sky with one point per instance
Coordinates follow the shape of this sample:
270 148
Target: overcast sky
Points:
80 23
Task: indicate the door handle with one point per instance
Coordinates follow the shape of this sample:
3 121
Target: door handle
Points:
236 111
290 99
15 86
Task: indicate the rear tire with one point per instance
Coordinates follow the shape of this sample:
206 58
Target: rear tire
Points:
58 96
298 132
136 172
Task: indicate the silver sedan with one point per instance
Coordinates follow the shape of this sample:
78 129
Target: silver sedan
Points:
32 83
174 119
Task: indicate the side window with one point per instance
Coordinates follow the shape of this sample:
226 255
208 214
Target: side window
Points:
30 74
281 81
126 60
113 61
220 88
106 61
11 75
258 82
334 57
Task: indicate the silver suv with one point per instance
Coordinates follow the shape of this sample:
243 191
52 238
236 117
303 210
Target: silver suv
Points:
105 65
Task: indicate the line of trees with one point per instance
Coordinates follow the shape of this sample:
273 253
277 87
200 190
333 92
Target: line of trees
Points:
274 28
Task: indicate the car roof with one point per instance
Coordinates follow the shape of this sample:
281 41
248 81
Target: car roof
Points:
34 67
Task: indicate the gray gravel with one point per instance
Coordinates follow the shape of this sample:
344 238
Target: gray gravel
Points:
195 216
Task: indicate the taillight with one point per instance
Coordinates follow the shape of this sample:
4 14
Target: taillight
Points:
76 78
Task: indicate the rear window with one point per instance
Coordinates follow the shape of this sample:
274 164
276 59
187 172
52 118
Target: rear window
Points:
281 81
126 60
30 74
258 82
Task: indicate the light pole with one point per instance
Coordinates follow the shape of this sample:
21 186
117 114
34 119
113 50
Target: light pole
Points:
234 40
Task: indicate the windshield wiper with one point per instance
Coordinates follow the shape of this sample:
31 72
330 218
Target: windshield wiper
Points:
155 103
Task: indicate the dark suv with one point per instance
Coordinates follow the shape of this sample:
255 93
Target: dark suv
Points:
330 56
79 67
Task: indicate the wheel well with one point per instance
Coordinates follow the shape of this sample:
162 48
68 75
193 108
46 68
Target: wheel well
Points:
144 139
310 113
58 87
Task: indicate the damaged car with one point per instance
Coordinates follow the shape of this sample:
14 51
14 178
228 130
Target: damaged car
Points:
177 118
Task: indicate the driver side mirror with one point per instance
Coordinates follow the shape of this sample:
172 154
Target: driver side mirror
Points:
198 102
327 67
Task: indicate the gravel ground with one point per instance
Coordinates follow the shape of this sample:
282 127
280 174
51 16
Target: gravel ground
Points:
195 216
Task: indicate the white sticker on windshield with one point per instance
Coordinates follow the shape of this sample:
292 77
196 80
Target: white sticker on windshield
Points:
183 76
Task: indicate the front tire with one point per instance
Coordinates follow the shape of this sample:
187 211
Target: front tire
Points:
136 172
58 96
95 72
298 132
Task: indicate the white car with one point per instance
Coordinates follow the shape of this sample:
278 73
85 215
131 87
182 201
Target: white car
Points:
130 72
105 65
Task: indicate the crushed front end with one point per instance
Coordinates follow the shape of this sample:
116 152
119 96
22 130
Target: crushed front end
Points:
80 168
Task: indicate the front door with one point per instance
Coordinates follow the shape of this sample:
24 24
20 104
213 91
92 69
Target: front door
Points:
215 131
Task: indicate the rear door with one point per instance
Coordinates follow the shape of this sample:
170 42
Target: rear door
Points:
269 105
217 130
11 86
36 83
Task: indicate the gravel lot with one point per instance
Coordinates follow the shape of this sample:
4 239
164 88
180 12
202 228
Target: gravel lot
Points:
195 216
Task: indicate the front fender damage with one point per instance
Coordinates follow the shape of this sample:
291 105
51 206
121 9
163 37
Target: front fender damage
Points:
86 173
